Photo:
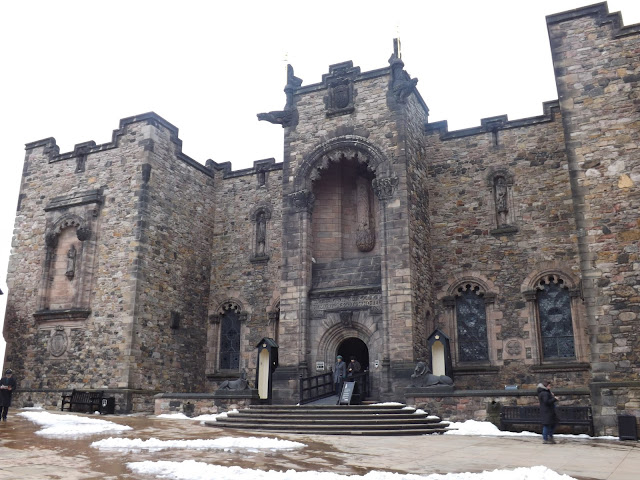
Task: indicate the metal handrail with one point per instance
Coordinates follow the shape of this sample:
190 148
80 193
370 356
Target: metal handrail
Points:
322 386
316 387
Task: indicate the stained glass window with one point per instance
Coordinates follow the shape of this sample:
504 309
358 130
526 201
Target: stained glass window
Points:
471 319
230 340
556 326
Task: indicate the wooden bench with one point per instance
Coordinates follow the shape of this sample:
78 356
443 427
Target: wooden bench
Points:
83 401
530 415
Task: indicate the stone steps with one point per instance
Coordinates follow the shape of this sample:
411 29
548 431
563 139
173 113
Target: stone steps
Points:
333 420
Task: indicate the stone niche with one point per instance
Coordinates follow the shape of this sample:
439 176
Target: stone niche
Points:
69 246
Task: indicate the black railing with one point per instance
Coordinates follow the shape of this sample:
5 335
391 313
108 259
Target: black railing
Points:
322 386
316 387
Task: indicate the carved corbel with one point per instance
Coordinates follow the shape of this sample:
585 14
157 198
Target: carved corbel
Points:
346 318
302 201
83 233
385 187
51 239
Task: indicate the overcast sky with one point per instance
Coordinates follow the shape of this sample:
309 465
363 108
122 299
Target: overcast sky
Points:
73 69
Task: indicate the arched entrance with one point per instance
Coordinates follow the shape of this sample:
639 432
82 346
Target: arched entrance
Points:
357 348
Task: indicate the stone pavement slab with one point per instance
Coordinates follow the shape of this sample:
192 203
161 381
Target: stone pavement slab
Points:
25 455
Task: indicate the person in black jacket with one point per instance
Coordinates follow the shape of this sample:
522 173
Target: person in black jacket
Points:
7 386
547 411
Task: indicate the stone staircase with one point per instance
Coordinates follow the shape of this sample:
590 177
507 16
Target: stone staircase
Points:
333 420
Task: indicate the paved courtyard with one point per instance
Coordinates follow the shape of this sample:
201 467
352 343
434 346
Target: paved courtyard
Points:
25 455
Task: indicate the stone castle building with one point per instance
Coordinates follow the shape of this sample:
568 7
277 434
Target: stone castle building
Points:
137 270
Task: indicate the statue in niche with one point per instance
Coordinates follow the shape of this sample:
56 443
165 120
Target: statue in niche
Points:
500 193
71 262
365 238
261 234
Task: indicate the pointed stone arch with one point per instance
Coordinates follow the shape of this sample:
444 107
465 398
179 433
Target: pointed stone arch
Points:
345 147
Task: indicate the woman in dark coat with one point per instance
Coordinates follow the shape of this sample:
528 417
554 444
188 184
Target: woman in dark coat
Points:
7 386
547 411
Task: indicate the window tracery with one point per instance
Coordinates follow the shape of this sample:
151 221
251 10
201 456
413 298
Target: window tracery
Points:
553 301
471 324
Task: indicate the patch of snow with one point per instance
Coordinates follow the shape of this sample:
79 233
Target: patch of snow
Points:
174 416
474 427
192 470
388 403
224 443
200 418
62 425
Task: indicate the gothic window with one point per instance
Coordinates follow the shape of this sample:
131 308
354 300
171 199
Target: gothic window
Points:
230 338
553 300
471 324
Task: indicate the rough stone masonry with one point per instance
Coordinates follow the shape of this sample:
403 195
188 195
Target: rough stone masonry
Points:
137 270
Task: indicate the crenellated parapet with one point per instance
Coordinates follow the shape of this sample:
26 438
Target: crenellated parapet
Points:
494 124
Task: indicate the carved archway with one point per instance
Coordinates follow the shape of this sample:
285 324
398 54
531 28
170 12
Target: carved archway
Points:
346 147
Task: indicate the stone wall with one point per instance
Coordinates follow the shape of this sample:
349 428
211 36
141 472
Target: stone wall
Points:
140 217
174 232
503 260
599 98
484 405
418 190
239 273
90 342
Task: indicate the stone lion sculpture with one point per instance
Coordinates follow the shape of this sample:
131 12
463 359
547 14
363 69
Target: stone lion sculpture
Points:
422 377
237 384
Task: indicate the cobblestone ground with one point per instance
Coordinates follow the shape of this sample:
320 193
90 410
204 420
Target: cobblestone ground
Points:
25 455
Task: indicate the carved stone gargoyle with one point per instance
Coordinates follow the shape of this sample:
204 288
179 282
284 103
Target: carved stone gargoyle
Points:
402 85
289 116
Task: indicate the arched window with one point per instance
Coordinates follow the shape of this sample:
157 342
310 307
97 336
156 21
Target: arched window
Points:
230 337
553 301
471 324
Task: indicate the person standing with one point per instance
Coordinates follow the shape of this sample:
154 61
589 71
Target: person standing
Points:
7 386
339 372
353 367
547 411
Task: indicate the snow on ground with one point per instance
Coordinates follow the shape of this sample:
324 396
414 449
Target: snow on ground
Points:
61 425
192 470
200 418
474 427
224 443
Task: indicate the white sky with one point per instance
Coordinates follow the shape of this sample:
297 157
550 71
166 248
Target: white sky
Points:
73 69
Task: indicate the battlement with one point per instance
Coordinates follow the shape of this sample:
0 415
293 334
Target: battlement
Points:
600 11
494 124
52 150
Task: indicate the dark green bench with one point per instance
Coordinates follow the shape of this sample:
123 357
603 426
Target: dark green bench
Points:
83 401
530 415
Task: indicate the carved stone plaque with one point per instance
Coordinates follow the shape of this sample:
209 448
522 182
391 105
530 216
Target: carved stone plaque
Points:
58 342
